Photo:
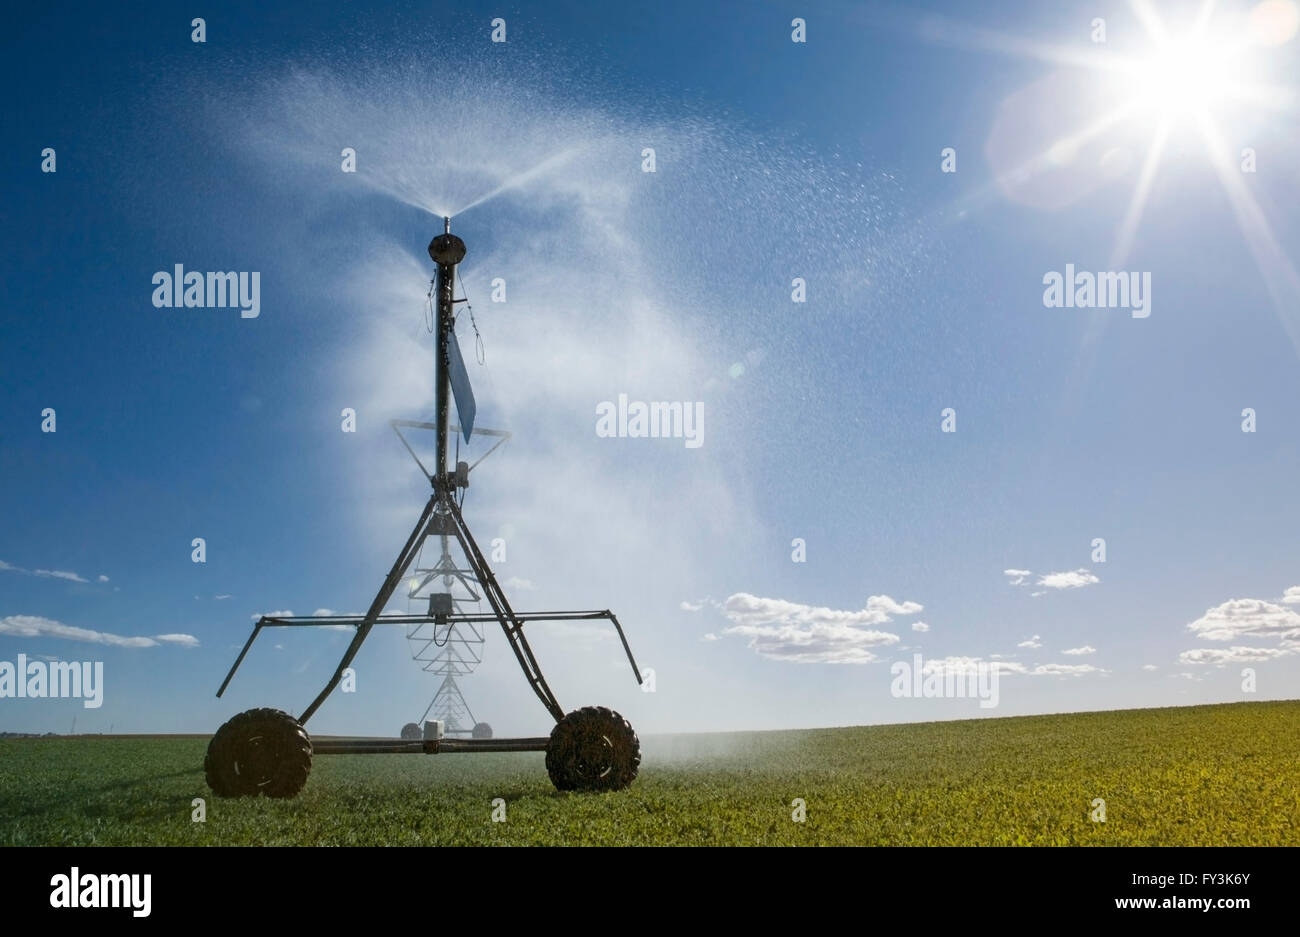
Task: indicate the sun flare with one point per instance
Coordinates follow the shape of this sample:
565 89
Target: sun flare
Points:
1185 77
1199 90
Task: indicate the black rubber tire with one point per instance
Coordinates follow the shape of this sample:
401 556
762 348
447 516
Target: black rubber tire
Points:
481 731
261 751
411 732
592 749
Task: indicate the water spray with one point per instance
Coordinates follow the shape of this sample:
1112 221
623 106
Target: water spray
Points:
267 751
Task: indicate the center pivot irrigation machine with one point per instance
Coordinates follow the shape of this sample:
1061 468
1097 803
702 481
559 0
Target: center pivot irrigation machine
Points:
267 751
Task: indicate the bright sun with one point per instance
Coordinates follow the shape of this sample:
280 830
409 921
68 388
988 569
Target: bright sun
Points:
1185 77
1207 78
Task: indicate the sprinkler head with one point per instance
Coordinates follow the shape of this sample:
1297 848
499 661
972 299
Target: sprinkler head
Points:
446 249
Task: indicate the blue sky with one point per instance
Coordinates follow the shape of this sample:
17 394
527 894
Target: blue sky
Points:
774 160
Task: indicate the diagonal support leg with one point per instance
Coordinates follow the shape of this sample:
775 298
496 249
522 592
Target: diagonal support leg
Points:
377 606
510 624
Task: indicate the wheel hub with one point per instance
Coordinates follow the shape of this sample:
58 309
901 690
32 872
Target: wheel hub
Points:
255 760
594 754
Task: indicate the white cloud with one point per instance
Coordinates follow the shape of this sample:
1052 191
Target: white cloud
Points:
184 640
1086 649
278 613
745 609
1291 596
102 578
884 605
1032 642
1233 655
1239 617
34 626
1065 670
324 613
1071 579
522 585
223 595
58 574
711 637
47 573
692 606
920 626
1150 667
782 630
1016 577
1245 618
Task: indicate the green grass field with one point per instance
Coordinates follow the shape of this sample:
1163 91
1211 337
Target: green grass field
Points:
1204 775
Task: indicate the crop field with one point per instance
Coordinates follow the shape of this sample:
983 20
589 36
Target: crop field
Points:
1204 775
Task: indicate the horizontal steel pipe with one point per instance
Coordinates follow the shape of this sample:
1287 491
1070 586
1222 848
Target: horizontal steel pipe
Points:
362 746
